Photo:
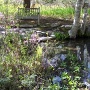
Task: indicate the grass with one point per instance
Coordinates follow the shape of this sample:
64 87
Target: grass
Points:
57 11
9 9
52 11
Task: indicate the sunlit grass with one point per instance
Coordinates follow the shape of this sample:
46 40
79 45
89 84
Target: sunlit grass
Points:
51 11
9 9
57 11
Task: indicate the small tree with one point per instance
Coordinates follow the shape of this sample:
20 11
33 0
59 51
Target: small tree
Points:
76 24
84 21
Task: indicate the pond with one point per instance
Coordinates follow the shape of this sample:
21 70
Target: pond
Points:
58 51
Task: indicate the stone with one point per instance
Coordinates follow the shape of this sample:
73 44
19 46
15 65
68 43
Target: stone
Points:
56 80
44 38
78 52
55 25
2 29
54 60
63 57
45 63
87 84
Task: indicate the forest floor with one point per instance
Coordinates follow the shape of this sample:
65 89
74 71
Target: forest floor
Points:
45 20
48 23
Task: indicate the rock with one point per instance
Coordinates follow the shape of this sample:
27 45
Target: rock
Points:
60 46
55 25
45 63
63 57
54 60
53 63
2 29
66 26
78 52
57 58
53 36
44 38
87 84
42 34
56 80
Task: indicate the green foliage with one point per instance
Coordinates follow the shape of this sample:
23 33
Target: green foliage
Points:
51 87
4 81
39 51
71 77
19 69
57 11
29 81
61 36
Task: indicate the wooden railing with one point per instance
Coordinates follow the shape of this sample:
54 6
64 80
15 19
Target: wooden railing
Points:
29 13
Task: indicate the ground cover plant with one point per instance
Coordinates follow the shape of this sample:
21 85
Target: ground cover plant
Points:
22 67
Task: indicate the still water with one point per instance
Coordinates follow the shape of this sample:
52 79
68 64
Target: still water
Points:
81 47
59 50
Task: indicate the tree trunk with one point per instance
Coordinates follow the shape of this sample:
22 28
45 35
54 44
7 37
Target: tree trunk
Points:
84 21
27 3
73 31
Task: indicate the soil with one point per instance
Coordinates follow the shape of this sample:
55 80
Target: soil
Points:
54 24
50 20
48 23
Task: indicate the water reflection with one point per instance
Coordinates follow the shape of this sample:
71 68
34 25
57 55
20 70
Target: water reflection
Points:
80 47
82 50
53 52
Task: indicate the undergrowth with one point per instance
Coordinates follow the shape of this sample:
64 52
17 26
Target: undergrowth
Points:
21 67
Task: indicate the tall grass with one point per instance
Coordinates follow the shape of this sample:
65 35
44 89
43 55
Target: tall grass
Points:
57 11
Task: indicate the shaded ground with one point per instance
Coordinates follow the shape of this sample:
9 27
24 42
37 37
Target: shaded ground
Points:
47 23
50 20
